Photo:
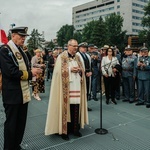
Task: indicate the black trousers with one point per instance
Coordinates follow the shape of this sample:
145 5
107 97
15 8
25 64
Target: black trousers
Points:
14 126
110 87
87 87
73 126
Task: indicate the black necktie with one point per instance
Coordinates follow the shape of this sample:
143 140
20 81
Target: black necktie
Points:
84 55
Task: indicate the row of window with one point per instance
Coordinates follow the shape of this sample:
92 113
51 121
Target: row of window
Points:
91 18
103 16
81 26
93 7
136 24
96 18
137 11
87 20
137 5
109 3
136 30
145 1
136 17
95 12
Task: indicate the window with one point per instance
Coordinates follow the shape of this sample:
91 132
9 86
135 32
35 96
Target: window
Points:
118 6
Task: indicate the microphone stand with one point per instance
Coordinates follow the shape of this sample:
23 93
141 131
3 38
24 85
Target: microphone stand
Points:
101 130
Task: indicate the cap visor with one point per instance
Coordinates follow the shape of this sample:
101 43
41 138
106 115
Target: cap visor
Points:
23 34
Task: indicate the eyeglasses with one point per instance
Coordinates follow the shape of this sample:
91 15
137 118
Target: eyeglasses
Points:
109 51
74 45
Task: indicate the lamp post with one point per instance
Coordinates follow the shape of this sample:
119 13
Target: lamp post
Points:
9 33
12 25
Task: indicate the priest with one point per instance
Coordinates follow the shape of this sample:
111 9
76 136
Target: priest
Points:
67 109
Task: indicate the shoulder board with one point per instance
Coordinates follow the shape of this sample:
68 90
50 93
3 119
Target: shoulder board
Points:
4 46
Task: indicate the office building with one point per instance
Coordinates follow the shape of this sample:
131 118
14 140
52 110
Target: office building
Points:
131 10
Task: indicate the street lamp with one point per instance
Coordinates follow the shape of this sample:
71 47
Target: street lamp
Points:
12 25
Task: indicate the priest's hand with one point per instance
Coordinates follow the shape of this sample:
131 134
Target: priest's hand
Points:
75 69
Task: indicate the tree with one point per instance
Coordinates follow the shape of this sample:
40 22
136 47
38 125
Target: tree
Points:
87 31
65 34
78 36
99 36
116 36
50 45
144 35
35 41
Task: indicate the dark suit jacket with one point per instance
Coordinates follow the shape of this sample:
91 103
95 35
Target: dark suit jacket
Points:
11 76
51 63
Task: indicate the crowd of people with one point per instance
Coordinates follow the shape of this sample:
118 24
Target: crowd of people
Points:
77 74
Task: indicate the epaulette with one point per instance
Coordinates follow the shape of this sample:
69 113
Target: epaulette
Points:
4 46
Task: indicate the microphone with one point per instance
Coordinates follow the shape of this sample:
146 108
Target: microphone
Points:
109 63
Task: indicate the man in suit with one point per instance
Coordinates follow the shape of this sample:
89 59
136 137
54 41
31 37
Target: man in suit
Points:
86 62
15 70
50 60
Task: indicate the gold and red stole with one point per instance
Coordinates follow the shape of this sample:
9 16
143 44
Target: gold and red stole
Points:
66 86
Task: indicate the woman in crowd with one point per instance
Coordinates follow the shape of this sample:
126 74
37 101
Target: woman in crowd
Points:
110 68
38 81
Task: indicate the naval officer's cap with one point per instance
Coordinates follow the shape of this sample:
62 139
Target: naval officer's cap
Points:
20 30
91 45
83 44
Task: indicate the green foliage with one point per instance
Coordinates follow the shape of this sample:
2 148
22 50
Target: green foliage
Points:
77 36
9 36
87 32
50 45
35 41
65 34
100 32
99 36
116 36
144 35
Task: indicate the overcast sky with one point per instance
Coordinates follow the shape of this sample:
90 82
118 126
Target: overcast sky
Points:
45 15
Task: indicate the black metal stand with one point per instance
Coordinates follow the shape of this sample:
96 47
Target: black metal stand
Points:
101 130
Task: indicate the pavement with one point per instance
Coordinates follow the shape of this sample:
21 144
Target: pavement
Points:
128 127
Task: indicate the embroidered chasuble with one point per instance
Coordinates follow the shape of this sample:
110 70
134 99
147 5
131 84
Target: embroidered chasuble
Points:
66 88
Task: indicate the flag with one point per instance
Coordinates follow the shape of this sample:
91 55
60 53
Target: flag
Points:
3 37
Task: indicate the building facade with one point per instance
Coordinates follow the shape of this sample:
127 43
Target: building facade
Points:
131 10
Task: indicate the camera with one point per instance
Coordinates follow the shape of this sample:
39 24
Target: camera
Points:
141 60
